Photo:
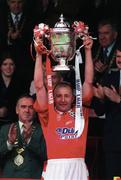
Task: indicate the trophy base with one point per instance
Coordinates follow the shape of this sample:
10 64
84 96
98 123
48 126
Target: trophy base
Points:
61 68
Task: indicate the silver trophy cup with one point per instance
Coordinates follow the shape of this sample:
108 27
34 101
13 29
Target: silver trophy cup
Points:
62 44
61 40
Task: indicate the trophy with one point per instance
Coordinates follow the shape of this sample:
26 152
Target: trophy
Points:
62 41
62 44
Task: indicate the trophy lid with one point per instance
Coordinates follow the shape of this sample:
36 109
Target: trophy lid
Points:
61 26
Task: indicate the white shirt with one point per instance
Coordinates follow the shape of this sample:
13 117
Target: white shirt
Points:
14 17
109 49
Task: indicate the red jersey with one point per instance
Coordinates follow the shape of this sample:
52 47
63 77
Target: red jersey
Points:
60 135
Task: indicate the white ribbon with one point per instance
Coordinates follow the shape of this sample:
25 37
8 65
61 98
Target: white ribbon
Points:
79 118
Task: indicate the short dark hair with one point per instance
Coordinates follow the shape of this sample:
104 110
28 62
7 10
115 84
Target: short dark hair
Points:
25 95
106 21
5 55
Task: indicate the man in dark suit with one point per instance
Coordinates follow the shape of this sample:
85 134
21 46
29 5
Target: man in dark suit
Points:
108 101
16 33
104 50
22 145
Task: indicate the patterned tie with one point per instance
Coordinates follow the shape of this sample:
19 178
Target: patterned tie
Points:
23 133
105 57
16 21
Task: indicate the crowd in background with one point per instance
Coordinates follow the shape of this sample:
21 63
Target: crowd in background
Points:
17 67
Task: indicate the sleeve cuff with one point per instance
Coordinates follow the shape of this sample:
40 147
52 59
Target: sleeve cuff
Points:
9 146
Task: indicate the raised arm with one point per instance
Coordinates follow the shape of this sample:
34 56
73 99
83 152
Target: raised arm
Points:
89 71
41 92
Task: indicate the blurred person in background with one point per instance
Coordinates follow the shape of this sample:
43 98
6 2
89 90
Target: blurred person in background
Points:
107 101
11 87
105 48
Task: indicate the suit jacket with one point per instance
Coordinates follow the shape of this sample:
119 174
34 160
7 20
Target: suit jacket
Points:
112 124
110 62
10 94
34 154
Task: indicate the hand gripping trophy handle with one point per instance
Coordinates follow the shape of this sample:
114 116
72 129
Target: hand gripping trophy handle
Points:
41 32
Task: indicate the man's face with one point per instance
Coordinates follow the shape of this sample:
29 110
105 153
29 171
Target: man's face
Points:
63 98
25 110
118 59
106 35
15 6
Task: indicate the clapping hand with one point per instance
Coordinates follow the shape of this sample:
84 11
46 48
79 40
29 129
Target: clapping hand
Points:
112 94
14 35
99 66
12 134
98 91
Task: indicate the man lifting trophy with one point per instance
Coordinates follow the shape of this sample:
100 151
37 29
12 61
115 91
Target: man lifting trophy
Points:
63 110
